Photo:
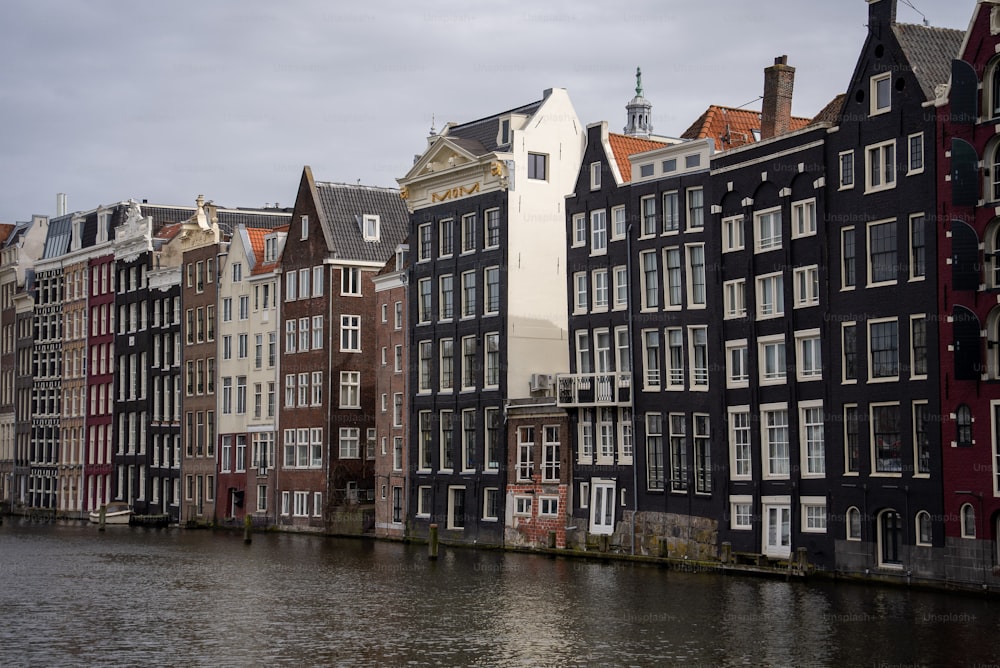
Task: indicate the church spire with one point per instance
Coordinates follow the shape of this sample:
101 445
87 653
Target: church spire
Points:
639 111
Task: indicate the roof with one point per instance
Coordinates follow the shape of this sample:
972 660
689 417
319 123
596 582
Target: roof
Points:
5 232
252 218
20 228
58 236
342 207
481 135
622 146
168 232
831 112
929 51
731 127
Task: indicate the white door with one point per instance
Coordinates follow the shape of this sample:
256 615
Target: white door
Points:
777 531
602 507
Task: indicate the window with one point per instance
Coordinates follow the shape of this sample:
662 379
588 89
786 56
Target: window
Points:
773 368
522 506
537 166
446 238
290 285
886 438
398 316
491 503
968 516
581 291
350 333
734 299
847 270
849 341
424 366
423 501
237 272
925 535
350 281
525 445
921 438
468 294
775 441
619 222
621 287
881 97
803 218
853 524
918 247
696 275
852 444
550 454
304 284
846 170
447 365
469 365
770 296
767 230
425 244
696 209
601 290
446 441
469 440
741 512
446 297
598 232
492 296
397 409
883 344
915 164
491 417
740 449
317 332
424 301
548 506
350 443
806 286
671 213
648 208
882 263
291 336
492 359
813 449
350 388
678 453
675 358
456 507
493 228
698 339
702 455
918 346
304 225
737 374
732 234
675 288
650 280
963 426
654 451
880 166
810 363
813 514
579 230
468 233
397 359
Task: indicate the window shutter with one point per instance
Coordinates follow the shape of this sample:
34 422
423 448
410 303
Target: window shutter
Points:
964 173
964 92
964 257
965 328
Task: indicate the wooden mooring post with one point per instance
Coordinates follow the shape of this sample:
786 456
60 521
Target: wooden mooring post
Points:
247 529
432 543
104 512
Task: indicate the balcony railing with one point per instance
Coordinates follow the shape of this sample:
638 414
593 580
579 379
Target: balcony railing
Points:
612 388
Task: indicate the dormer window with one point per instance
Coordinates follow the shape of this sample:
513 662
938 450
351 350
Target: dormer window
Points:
270 249
76 236
370 227
103 225
504 132
881 93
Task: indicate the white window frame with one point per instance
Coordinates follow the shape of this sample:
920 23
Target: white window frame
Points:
869 363
916 137
804 218
774 240
845 157
599 232
780 375
805 286
595 176
777 305
804 372
733 234
874 108
694 301
734 448
808 503
886 174
766 411
734 381
804 462
579 223
734 299
737 503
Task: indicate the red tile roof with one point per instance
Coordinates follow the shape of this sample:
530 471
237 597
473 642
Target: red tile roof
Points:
5 231
623 146
731 127
168 232
256 236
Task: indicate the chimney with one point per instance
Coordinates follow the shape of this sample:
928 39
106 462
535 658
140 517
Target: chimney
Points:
61 204
776 113
881 15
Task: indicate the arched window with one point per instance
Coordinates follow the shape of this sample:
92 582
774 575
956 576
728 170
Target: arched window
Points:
968 517
963 426
924 534
890 538
853 524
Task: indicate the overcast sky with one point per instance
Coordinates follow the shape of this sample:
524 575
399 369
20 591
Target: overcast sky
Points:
110 99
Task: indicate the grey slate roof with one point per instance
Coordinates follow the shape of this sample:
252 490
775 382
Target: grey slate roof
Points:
230 219
484 131
20 228
929 51
342 206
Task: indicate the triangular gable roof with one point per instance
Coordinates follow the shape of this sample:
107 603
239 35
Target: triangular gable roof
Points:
341 206
468 150
731 127
622 146
929 51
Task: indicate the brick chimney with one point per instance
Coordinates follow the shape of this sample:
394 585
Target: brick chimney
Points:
776 112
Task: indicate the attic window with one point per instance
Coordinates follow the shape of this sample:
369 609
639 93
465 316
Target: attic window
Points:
270 249
645 170
669 165
504 132
691 161
370 227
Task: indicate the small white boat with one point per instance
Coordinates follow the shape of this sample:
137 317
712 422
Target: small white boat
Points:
117 512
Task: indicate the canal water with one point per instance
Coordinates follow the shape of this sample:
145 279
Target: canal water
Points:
70 595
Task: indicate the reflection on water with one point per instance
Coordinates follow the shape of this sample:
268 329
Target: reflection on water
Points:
70 595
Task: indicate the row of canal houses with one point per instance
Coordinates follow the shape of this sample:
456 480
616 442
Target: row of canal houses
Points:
770 338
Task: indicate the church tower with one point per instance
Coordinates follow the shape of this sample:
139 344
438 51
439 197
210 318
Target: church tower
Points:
640 112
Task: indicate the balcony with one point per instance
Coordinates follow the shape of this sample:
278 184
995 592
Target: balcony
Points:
581 390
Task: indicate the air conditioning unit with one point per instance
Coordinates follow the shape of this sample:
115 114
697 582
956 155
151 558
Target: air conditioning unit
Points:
539 381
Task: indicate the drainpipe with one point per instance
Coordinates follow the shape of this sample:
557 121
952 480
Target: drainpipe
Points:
632 384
